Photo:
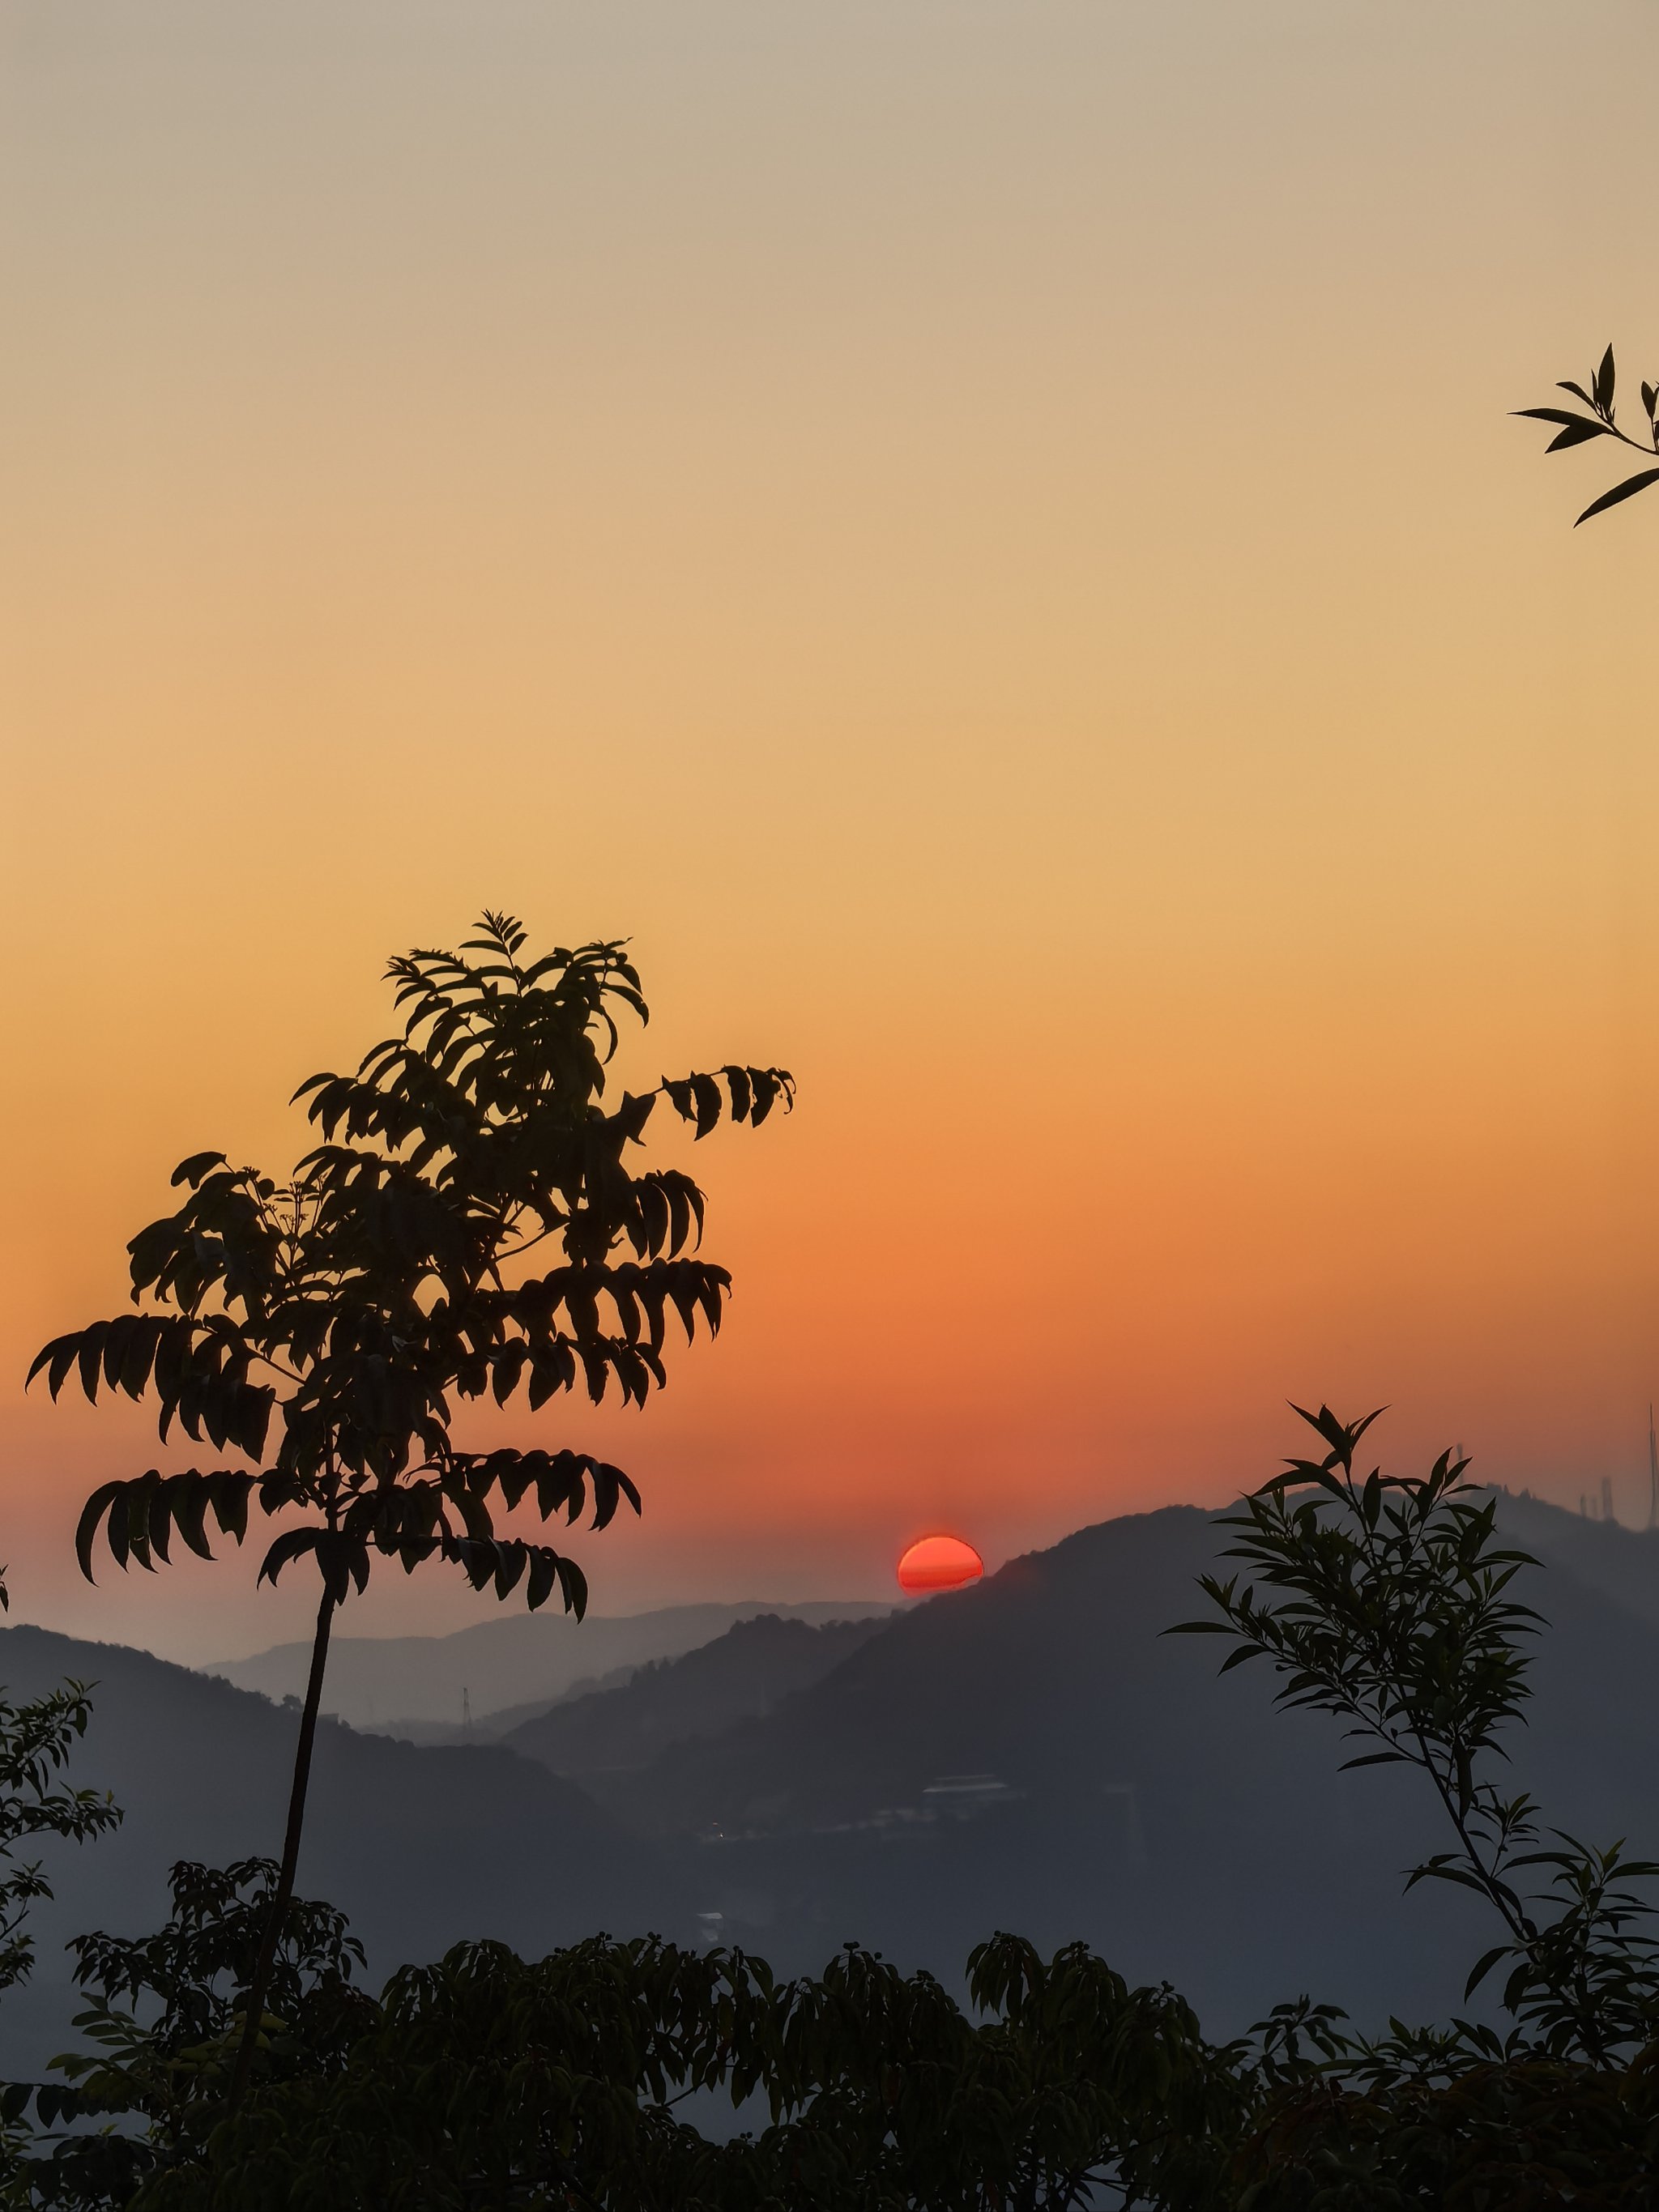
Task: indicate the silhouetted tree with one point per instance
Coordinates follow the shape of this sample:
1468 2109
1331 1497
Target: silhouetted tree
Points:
349 1308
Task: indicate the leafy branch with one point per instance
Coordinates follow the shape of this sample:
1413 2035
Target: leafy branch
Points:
1386 1601
1601 422
36 1740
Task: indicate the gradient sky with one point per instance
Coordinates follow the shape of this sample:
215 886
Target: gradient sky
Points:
986 538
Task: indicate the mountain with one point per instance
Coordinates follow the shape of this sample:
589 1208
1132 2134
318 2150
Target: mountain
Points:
1623 1564
736 1677
1034 1752
521 1659
420 1846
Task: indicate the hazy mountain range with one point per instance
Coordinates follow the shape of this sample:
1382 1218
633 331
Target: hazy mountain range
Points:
1030 1753
521 1660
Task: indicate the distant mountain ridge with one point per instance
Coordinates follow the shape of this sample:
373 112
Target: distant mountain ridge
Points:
518 1659
1621 1563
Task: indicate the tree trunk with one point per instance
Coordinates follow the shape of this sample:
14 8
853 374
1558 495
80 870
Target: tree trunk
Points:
296 1819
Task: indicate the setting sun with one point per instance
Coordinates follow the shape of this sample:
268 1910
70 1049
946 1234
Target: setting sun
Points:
939 1563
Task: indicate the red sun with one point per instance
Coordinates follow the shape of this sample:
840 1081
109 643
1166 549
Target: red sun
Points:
939 1563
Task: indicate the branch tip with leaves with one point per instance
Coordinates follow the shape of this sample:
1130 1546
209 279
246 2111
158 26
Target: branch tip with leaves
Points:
1573 428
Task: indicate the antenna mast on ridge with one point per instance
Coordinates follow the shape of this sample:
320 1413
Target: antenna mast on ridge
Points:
1653 1473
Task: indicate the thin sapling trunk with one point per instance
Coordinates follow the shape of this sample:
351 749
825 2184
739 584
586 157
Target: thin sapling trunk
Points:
284 1892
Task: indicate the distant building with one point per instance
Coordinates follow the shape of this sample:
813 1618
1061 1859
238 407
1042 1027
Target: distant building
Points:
961 1796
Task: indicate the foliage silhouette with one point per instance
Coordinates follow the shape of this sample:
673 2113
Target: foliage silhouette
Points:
486 2081
36 1740
1385 1601
489 2081
1575 429
163 2018
350 1307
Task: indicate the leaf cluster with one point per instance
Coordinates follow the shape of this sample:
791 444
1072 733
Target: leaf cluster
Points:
161 2020
1521 2134
1599 420
36 1741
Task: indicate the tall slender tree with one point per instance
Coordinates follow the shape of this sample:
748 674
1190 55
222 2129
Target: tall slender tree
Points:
324 1328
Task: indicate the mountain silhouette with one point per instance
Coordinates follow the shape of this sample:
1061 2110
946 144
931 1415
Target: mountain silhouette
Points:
738 1676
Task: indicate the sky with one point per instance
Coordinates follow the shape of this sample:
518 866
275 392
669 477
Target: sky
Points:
987 540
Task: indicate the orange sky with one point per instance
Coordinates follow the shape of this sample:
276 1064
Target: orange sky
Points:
986 538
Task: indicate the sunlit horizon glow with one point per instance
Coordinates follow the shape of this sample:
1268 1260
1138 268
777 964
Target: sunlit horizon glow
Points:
987 541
